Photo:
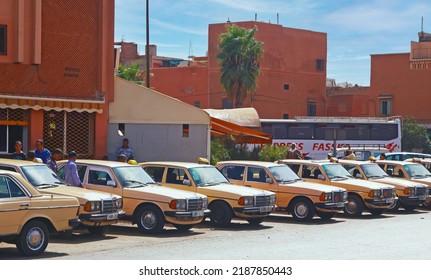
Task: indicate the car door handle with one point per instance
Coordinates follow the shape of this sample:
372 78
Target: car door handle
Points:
24 204
247 186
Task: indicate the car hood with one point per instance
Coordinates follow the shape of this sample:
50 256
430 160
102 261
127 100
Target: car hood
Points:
426 181
153 189
358 183
302 185
82 194
230 189
397 182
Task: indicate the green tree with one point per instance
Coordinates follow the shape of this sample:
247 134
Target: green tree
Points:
272 153
130 73
414 137
238 56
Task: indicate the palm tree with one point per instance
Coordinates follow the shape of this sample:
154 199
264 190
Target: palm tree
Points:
238 56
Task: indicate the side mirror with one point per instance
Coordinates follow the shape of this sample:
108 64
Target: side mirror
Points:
320 177
111 183
187 182
359 176
269 180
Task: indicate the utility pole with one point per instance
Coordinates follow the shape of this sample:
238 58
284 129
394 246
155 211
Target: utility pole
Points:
147 46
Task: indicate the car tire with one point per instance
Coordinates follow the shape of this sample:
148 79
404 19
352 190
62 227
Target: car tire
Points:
150 219
33 239
255 221
394 206
97 230
354 206
325 215
183 227
302 209
221 214
376 211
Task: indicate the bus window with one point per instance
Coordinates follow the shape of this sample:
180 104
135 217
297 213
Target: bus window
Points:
300 131
383 132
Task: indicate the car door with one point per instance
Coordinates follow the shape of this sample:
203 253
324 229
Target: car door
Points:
101 179
179 178
258 177
234 173
15 205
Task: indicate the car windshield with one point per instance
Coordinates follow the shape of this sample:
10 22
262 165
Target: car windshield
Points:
373 170
41 176
132 176
207 176
417 170
283 173
336 171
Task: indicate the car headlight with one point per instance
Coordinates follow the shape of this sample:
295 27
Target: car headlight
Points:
326 196
345 196
119 203
246 200
272 199
409 191
204 202
92 206
178 204
375 193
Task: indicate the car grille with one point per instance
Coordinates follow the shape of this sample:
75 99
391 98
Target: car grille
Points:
108 206
262 200
194 204
420 191
388 193
337 196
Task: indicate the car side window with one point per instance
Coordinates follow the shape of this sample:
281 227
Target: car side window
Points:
295 168
155 172
233 172
4 190
97 177
81 171
175 176
9 188
8 168
256 174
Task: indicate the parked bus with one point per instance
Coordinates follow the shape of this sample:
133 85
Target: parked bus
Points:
318 136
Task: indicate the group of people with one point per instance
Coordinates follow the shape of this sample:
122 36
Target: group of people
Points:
42 154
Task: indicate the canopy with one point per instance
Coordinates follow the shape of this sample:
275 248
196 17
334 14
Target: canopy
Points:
221 128
240 116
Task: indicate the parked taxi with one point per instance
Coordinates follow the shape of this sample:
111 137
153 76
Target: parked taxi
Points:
414 172
98 210
362 195
146 203
225 199
28 217
301 199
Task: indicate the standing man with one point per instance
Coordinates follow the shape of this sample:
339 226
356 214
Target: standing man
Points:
71 176
294 153
125 150
41 152
57 155
19 154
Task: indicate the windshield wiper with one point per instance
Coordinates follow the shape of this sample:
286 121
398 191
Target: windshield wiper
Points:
376 176
140 184
45 186
210 184
338 177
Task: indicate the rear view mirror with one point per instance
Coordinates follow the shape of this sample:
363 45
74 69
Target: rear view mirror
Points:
359 176
269 180
321 177
187 182
111 183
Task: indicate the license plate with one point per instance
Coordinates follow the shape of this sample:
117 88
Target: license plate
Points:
197 214
389 200
422 197
112 216
265 209
340 204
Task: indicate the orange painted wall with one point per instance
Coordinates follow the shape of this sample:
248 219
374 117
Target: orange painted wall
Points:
349 102
411 89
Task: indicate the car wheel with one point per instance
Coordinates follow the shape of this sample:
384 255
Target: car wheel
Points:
150 219
325 215
376 211
302 209
97 230
33 239
354 206
394 206
255 221
183 227
221 214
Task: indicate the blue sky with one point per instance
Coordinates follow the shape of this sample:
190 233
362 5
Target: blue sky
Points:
355 29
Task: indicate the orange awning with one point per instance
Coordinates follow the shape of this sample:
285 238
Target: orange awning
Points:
220 128
47 104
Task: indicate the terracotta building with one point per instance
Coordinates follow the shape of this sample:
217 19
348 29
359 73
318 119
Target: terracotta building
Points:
401 83
292 81
56 69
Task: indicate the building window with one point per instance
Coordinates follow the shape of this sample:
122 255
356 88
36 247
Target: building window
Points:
197 104
285 116
311 109
385 107
227 103
13 127
286 86
3 39
320 64
186 131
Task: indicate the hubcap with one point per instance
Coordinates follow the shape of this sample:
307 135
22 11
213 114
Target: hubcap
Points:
301 210
148 220
351 207
35 239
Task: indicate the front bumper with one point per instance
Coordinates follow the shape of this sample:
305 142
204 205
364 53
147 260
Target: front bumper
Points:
74 222
413 200
380 202
188 215
102 217
331 205
255 210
